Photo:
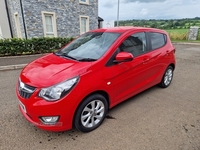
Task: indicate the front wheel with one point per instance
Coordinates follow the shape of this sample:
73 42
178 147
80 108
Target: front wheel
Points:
91 113
167 77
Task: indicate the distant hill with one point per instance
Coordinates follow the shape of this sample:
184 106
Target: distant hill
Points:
184 23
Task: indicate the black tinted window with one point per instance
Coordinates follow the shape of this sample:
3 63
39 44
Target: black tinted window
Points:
157 40
135 44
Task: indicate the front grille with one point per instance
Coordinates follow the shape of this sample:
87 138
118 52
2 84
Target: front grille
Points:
25 94
25 90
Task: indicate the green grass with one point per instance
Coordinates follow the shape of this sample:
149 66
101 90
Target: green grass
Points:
178 31
178 34
187 24
185 41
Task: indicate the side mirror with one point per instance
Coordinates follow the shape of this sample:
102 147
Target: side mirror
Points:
123 57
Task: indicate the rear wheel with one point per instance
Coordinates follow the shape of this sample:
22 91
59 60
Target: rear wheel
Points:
91 113
167 77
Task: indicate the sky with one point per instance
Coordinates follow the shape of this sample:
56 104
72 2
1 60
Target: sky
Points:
148 9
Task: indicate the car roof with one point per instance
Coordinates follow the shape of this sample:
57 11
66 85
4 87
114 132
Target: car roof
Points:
127 29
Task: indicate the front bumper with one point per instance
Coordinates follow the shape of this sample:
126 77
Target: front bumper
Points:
34 108
55 127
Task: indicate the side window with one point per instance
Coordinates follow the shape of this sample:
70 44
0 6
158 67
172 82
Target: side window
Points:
157 40
134 44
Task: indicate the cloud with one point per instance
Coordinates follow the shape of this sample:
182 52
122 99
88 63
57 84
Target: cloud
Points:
143 11
109 4
143 1
149 9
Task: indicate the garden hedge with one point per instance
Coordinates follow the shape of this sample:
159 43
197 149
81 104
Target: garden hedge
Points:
17 46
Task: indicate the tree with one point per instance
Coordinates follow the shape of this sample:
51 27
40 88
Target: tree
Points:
153 25
177 23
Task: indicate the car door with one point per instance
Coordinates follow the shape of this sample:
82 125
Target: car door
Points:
156 57
128 78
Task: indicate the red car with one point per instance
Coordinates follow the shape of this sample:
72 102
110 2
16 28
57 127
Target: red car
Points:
78 84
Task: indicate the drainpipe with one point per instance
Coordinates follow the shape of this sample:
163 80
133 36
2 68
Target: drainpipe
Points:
9 22
23 19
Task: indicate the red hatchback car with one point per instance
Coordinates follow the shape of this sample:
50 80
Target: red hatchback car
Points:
79 83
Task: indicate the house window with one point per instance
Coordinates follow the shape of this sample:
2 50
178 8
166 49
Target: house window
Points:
84 2
84 24
49 24
16 16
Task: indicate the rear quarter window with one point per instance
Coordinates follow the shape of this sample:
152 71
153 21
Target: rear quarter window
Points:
157 40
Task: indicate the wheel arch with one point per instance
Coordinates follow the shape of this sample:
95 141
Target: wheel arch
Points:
103 93
173 65
161 84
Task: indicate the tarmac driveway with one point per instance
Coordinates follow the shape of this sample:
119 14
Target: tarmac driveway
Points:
157 119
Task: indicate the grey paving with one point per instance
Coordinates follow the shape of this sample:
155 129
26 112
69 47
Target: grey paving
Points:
17 62
156 119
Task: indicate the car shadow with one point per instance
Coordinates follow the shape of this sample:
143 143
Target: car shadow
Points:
133 99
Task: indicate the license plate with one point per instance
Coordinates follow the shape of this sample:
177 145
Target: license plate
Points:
22 106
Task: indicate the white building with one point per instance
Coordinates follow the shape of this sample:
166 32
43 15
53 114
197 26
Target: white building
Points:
5 31
108 24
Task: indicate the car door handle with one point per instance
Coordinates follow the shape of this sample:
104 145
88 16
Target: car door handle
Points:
145 60
167 52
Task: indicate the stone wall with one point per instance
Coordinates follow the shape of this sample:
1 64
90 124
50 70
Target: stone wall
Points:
14 7
67 14
193 33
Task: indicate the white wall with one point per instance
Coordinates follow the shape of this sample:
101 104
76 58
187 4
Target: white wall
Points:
1 35
108 24
5 30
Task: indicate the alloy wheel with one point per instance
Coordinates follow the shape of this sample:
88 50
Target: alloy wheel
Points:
93 113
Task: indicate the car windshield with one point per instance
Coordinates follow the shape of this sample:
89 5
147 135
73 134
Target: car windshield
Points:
89 46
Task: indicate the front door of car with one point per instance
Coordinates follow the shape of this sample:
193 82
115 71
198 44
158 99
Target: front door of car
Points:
129 78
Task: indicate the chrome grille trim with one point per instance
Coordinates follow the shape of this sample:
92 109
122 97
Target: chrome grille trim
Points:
25 90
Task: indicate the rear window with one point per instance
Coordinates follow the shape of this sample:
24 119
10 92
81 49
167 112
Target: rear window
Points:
157 40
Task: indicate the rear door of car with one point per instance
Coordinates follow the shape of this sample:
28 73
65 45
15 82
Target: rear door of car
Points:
156 57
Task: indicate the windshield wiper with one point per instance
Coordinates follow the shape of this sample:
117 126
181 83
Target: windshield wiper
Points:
87 59
82 59
69 57
56 53
64 55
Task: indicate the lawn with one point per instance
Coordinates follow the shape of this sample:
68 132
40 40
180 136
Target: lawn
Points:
179 34
178 31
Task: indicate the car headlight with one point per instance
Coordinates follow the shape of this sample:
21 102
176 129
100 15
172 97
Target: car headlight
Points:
57 91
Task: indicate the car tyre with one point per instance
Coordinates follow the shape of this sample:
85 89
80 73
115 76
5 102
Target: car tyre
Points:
91 113
167 77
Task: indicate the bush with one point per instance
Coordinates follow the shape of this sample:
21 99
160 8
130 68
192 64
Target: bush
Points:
17 46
